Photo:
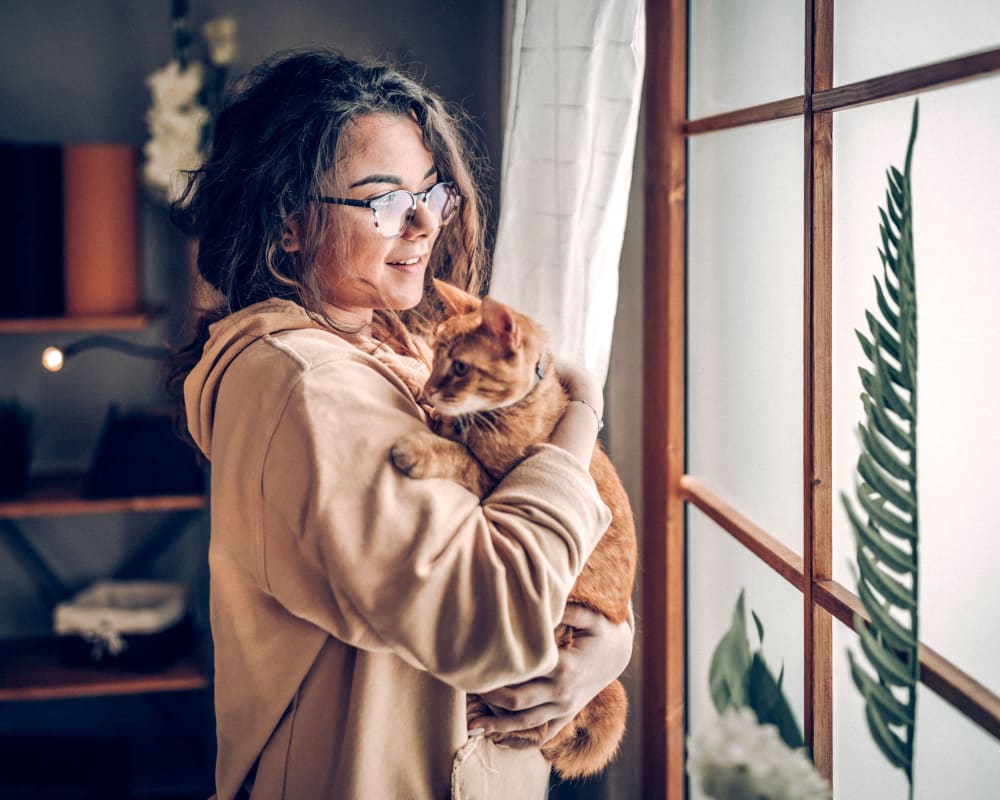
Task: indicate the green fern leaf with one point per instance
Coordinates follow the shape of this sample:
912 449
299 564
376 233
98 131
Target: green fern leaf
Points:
893 213
888 228
884 424
883 484
883 395
892 630
890 745
895 186
890 289
887 550
889 667
883 305
889 343
886 492
894 591
894 712
895 375
883 456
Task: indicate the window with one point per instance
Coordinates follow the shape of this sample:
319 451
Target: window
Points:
769 127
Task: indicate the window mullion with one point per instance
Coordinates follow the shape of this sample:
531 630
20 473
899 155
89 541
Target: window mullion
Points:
818 387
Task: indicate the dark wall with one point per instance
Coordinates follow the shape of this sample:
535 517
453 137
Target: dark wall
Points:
74 71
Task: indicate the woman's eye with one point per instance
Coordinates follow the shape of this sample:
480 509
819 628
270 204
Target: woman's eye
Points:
459 368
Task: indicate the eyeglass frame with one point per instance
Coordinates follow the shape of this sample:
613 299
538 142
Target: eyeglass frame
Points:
350 201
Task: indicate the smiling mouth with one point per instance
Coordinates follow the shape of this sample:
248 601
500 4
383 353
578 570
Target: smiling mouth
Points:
406 262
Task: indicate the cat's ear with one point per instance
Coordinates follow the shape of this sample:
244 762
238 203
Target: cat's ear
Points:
455 300
500 321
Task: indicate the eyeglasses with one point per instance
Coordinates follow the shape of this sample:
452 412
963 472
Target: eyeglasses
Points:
393 211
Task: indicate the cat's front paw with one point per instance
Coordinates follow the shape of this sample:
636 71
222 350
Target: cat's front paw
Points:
413 454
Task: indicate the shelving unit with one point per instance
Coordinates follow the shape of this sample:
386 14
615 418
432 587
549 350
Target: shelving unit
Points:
60 495
135 321
30 669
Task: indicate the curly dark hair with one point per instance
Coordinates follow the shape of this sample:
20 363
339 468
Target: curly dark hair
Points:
276 141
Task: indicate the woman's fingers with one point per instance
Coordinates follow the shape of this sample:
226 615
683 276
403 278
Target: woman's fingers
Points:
579 383
599 652
521 696
577 616
524 720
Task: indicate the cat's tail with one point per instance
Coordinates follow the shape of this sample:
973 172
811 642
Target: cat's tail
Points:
590 742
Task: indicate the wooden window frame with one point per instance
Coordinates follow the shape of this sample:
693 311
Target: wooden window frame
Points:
666 487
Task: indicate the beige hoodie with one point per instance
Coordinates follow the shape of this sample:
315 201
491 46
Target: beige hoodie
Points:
351 606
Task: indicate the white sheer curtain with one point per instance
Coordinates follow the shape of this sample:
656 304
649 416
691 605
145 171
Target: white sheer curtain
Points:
573 106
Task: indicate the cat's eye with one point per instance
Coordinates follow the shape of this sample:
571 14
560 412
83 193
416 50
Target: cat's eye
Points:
459 369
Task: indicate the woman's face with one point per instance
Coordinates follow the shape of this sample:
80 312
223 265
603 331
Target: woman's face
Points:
362 269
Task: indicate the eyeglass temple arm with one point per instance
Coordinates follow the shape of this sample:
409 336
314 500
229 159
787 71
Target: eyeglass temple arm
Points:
342 201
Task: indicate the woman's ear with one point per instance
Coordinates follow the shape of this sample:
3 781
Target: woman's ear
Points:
291 242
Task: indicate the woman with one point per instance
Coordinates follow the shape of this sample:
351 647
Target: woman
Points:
352 607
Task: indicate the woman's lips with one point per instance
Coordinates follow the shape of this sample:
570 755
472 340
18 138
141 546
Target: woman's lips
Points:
412 264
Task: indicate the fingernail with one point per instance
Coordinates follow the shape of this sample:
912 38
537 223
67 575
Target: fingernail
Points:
477 731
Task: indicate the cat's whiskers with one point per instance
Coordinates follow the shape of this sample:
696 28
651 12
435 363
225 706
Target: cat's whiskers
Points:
486 420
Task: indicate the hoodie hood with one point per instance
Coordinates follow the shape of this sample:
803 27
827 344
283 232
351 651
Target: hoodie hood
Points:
228 338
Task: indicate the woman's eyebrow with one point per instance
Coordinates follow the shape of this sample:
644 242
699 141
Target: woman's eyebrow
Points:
394 179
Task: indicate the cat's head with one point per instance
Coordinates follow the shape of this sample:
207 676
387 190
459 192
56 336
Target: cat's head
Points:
486 355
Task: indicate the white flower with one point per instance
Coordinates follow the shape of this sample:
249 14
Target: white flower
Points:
220 36
174 145
738 759
176 122
174 88
180 125
163 168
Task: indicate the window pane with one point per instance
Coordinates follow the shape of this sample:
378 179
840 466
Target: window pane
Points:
956 172
954 757
745 321
872 39
743 54
718 568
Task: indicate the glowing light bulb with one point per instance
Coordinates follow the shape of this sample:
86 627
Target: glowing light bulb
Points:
52 359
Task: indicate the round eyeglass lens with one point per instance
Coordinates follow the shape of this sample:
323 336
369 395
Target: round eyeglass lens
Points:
392 211
441 201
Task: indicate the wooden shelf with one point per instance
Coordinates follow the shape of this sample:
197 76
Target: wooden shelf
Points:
134 321
61 496
30 669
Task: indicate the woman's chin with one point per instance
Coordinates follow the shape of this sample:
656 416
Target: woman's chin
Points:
405 300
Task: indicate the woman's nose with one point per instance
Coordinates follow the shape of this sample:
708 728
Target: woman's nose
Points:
422 223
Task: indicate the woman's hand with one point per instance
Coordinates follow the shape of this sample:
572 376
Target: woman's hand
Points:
600 652
577 430
580 384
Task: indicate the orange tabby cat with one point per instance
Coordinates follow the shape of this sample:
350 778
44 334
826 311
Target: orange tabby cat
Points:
496 397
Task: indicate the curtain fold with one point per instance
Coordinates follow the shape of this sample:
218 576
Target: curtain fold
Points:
575 84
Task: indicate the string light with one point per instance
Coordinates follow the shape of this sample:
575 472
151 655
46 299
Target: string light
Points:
54 358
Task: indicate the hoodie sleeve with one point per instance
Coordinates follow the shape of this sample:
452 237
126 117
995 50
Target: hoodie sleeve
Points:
467 590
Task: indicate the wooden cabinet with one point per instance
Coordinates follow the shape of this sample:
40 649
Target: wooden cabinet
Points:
30 669
135 321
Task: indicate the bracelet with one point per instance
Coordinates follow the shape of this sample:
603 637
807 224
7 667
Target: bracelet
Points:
597 416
